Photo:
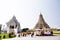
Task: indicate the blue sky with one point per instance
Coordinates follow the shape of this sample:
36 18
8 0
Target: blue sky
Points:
27 12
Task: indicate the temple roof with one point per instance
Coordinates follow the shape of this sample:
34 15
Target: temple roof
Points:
14 20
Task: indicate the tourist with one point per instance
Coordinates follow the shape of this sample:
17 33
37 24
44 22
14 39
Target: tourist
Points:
19 35
42 32
52 33
32 34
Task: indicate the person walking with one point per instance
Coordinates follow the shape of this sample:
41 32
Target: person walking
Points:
32 34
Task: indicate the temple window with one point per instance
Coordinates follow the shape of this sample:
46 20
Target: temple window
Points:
11 27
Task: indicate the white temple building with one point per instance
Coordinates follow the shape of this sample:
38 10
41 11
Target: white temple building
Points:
13 26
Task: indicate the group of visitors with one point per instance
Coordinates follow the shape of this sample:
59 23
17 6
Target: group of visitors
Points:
24 34
42 33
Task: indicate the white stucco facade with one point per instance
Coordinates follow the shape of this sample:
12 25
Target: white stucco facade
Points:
13 25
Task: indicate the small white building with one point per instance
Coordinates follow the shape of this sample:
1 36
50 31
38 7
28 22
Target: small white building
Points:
13 26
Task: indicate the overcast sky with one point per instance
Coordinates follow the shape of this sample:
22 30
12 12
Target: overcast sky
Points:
27 12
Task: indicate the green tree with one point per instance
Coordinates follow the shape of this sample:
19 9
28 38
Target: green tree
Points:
25 29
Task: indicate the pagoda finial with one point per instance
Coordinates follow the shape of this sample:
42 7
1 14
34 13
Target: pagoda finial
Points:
14 17
40 14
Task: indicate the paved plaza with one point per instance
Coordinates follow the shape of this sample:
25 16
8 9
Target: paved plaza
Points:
57 37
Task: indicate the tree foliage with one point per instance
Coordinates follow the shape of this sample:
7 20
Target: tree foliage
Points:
25 29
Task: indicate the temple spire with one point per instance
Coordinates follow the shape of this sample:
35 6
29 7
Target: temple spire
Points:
13 17
41 22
